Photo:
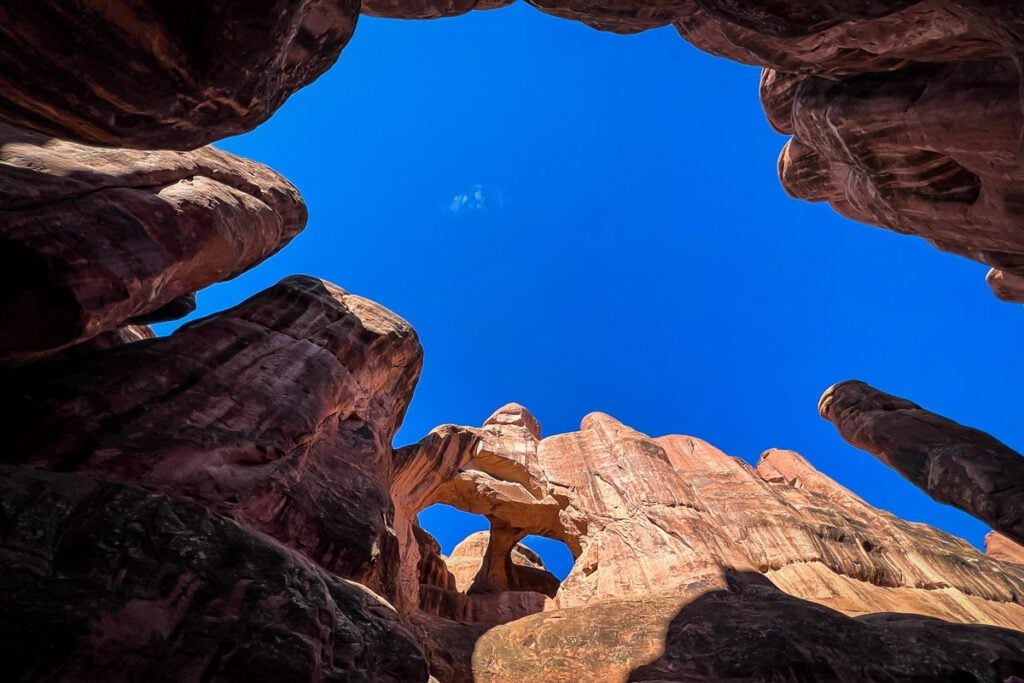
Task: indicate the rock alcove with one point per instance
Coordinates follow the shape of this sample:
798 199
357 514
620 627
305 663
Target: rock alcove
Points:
225 503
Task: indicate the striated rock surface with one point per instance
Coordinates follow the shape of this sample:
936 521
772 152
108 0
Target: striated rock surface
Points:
661 529
105 581
1002 548
161 75
952 463
904 115
92 238
749 631
642 515
189 476
278 413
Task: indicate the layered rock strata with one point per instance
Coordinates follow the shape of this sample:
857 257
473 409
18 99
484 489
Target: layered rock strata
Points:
657 526
693 549
92 238
278 413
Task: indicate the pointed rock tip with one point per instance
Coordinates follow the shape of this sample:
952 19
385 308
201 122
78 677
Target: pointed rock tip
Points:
825 402
517 415
597 420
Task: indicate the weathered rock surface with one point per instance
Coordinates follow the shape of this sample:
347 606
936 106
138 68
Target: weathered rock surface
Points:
749 631
276 417
904 115
952 463
427 9
527 572
105 581
94 237
660 528
161 75
278 413
1002 548
643 515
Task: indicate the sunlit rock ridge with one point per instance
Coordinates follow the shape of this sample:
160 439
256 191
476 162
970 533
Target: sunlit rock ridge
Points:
226 502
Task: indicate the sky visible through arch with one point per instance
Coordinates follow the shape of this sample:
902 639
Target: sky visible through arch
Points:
579 221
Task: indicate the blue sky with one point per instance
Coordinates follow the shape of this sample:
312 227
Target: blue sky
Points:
582 221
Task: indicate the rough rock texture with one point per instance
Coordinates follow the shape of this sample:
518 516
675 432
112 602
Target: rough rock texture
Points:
905 115
427 9
1002 548
105 581
953 464
162 74
527 572
749 631
643 515
278 413
94 237
661 527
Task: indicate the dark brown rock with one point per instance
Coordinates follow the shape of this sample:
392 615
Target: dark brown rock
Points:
952 463
105 581
94 237
163 74
427 9
905 115
278 413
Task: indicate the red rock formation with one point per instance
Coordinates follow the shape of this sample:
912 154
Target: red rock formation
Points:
163 74
749 631
953 464
427 9
92 237
278 413
1002 548
905 115
661 527
104 582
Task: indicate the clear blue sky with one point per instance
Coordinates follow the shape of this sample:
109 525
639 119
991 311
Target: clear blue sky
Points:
582 221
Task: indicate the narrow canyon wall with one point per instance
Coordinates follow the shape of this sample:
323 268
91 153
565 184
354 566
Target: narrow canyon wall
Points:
225 502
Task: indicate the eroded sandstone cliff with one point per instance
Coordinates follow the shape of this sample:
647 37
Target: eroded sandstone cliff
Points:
225 503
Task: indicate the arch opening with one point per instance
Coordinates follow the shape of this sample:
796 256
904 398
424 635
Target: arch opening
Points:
482 571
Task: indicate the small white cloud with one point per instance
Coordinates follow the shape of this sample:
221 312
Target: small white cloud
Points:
476 199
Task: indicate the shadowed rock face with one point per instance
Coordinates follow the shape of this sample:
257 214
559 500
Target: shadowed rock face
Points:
94 237
163 74
953 464
749 631
278 413
277 416
104 581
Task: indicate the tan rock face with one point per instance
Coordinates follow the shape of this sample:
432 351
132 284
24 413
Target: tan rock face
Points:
749 631
720 570
210 69
952 463
1002 548
712 563
278 413
94 237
